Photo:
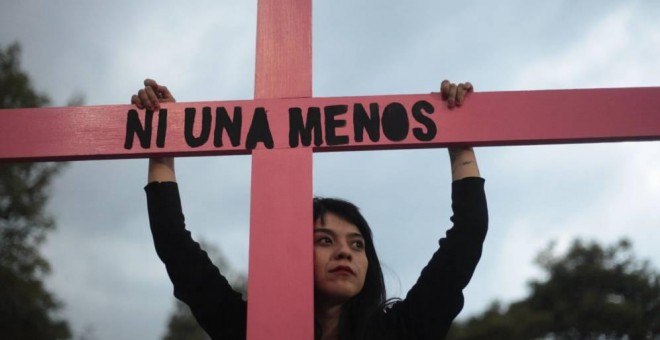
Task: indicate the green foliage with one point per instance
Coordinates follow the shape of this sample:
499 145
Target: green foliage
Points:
591 292
182 324
27 309
15 87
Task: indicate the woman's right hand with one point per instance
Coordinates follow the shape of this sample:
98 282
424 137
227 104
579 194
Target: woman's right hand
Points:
161 169
152 95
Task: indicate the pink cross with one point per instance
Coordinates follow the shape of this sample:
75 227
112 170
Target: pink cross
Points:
285 124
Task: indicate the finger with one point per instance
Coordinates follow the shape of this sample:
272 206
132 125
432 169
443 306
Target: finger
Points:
451 99
150 83
444 88
463 90
135 100
153 97
460 94
165 94
144 99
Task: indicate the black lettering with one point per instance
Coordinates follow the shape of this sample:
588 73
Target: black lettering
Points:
302 131
189 125
162 128
259 130
331 123
233 127
363 122
418 113
135 128
395 122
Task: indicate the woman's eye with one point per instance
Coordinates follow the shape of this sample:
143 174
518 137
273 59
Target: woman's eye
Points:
358 244
324 240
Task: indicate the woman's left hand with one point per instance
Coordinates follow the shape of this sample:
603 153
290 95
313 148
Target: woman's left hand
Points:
454 94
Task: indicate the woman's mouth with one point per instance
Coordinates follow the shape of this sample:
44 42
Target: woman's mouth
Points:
342 270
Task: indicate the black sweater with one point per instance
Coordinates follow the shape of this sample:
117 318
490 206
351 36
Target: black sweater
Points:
426 313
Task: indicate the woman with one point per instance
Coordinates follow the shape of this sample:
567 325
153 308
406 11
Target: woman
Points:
348 280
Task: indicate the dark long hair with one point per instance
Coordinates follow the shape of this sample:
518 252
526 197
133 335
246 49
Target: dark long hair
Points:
356 312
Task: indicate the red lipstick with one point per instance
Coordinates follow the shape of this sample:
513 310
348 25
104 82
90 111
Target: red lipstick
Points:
342 269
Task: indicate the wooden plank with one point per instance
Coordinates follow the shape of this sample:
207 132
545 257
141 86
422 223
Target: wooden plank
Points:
487 118
280 283
280 279
284 53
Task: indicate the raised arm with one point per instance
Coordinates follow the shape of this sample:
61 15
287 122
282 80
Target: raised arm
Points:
437 297
463 163
161 169
463 160
219 310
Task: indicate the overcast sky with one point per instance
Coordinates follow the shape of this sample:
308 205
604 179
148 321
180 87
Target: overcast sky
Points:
104 265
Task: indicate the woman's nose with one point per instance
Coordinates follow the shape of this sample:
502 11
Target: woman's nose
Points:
343 251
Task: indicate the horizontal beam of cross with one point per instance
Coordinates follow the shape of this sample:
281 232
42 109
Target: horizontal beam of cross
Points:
328 124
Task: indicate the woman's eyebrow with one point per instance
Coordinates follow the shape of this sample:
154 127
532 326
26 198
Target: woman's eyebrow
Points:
332 232
324 230
355 235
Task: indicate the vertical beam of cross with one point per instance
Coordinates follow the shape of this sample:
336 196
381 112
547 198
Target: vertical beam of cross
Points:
280 289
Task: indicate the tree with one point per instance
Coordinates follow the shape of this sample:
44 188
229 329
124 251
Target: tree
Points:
182 324
27 309
591 292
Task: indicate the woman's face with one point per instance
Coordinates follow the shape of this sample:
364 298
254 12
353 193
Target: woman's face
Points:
340 260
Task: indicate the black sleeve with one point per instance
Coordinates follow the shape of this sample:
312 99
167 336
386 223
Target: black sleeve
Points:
217 307
436 299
